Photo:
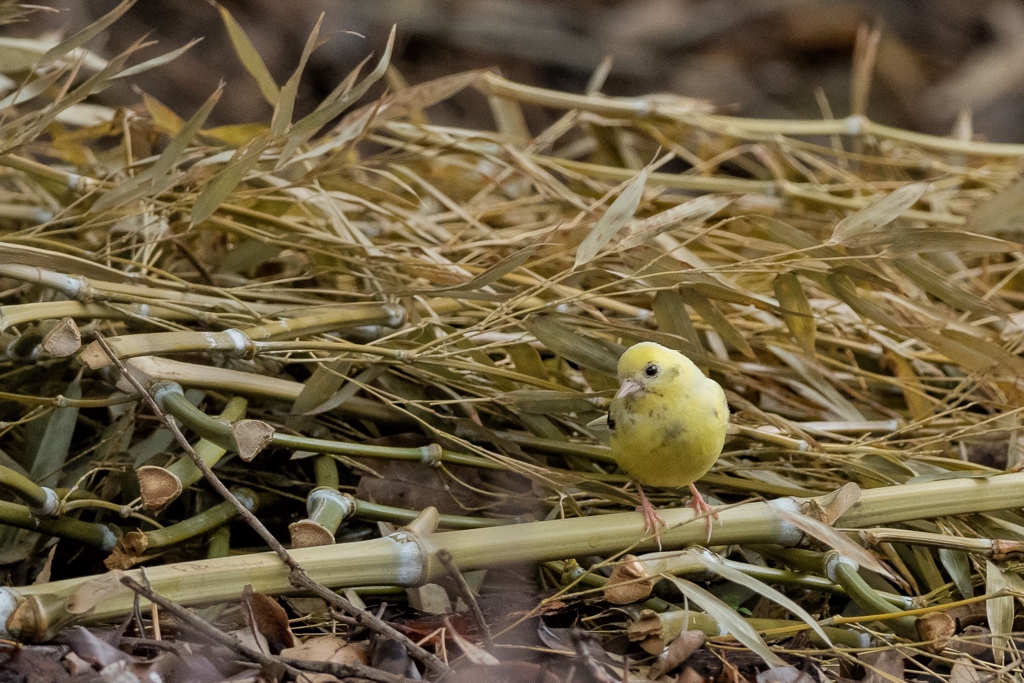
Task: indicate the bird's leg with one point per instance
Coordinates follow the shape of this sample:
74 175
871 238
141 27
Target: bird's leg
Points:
652 520
701 507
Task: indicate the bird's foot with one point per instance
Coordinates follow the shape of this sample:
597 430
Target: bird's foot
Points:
652 520
701 507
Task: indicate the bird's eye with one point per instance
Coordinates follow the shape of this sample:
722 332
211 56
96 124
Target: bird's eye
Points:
651 370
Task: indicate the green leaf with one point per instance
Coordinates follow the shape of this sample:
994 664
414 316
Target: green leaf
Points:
286 98
152 177
347 391
958 566
727 618
334 104
156 61
250 58
224 183
736 576
52 452
86 34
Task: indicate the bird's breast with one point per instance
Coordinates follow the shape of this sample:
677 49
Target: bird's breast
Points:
669 440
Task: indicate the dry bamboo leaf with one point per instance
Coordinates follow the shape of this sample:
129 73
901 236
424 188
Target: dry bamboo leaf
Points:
267 617
998 610
926 568
835 401
970 353
476 655
21 54
918 402
1003 212
796 310
859 227
835 540
673 317
614 219
249 57
547 402
845 289
885 666
328 648
957 241
155 62
678 651
30 91
154 178
710 314
1002 359
572 346
963 671
937 283
527 361
25 255
321 385
348 390
47 457
696 210
492 274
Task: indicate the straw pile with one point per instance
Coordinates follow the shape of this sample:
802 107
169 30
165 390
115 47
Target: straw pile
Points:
378 286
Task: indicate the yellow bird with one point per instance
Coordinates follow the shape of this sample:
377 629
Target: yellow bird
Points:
667 423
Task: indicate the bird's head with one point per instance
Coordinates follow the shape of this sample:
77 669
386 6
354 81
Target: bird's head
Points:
648 367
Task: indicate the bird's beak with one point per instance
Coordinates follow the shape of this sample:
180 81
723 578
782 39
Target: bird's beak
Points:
628 388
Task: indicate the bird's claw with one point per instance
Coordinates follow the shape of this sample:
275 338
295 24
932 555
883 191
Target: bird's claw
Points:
701 508
652 520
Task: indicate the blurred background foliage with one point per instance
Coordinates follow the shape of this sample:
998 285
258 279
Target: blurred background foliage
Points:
764 58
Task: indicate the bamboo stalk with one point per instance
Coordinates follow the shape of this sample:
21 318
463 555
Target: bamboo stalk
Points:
239 341
684 110
401 559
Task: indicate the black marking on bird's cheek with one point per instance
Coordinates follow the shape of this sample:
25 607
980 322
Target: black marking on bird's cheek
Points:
611 423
